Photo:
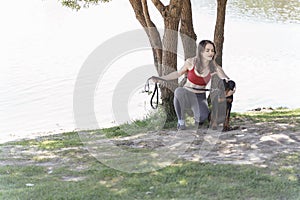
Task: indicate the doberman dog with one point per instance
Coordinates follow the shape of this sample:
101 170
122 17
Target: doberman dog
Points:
221 105
230 85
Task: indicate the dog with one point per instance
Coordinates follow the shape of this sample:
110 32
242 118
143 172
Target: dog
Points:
221 101
229 86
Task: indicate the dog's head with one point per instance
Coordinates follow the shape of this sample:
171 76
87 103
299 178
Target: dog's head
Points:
230 85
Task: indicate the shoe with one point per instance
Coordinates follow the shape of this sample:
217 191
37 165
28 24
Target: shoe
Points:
181 127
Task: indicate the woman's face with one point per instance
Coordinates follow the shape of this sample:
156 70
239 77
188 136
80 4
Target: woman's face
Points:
208 52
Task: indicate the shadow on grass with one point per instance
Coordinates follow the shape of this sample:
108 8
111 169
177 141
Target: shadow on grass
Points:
182 180
59 167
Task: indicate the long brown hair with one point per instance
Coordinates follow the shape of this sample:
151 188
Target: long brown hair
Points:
200 49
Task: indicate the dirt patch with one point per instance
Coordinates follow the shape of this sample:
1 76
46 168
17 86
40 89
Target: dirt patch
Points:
254 143
234 147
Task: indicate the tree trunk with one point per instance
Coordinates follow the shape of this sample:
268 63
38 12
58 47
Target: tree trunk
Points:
165 56
187 33
219 30
218 40
169 62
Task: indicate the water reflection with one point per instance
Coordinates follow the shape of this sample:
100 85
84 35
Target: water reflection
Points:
287 11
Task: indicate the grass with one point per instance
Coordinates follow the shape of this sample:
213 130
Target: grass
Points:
64 140
59 167
182 180
281 115
154 121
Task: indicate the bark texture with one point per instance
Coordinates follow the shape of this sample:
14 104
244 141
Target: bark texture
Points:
187 33
218 40
219 29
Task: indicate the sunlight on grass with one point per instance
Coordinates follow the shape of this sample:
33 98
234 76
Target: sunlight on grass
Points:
62 169
279 115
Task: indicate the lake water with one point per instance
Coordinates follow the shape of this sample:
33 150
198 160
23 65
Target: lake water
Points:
43 47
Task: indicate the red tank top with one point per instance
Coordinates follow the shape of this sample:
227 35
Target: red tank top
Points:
198 80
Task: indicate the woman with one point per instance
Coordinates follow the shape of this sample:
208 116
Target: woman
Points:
199 71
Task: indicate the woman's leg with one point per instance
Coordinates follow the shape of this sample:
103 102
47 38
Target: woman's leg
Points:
180 102
200 108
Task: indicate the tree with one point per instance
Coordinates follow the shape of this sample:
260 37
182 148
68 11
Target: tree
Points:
164 50
177 16
219 29
165 58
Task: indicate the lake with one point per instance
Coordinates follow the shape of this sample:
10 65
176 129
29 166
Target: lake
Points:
44 47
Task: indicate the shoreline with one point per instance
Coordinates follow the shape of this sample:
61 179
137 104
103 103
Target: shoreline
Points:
29 136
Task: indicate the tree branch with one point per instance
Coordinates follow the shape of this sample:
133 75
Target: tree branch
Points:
154 37
175 8
160 6
188 35
142 14
146 14
138 10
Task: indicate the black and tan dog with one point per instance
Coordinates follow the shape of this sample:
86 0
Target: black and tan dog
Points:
221 101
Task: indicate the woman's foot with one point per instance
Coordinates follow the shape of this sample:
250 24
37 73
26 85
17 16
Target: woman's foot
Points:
201 125
181 127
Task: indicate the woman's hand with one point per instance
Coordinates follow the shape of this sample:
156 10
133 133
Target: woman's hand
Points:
155 79
230 92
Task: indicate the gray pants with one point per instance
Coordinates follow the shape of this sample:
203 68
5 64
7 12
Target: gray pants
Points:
185 99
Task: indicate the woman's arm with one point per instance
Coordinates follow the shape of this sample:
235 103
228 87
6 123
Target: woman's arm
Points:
177 74
221 74
171 76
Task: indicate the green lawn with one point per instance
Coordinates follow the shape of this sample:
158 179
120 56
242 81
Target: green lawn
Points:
59 167
183 180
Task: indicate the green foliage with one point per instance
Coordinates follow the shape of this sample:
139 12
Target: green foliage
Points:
78 4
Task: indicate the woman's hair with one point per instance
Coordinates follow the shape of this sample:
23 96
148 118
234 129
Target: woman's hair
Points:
200 49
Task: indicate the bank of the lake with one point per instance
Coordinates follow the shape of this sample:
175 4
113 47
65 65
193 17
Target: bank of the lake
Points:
258 161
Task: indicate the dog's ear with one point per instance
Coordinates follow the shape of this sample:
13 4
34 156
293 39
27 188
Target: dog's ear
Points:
231 84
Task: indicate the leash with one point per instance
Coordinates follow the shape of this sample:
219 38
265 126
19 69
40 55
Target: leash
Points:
155 91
